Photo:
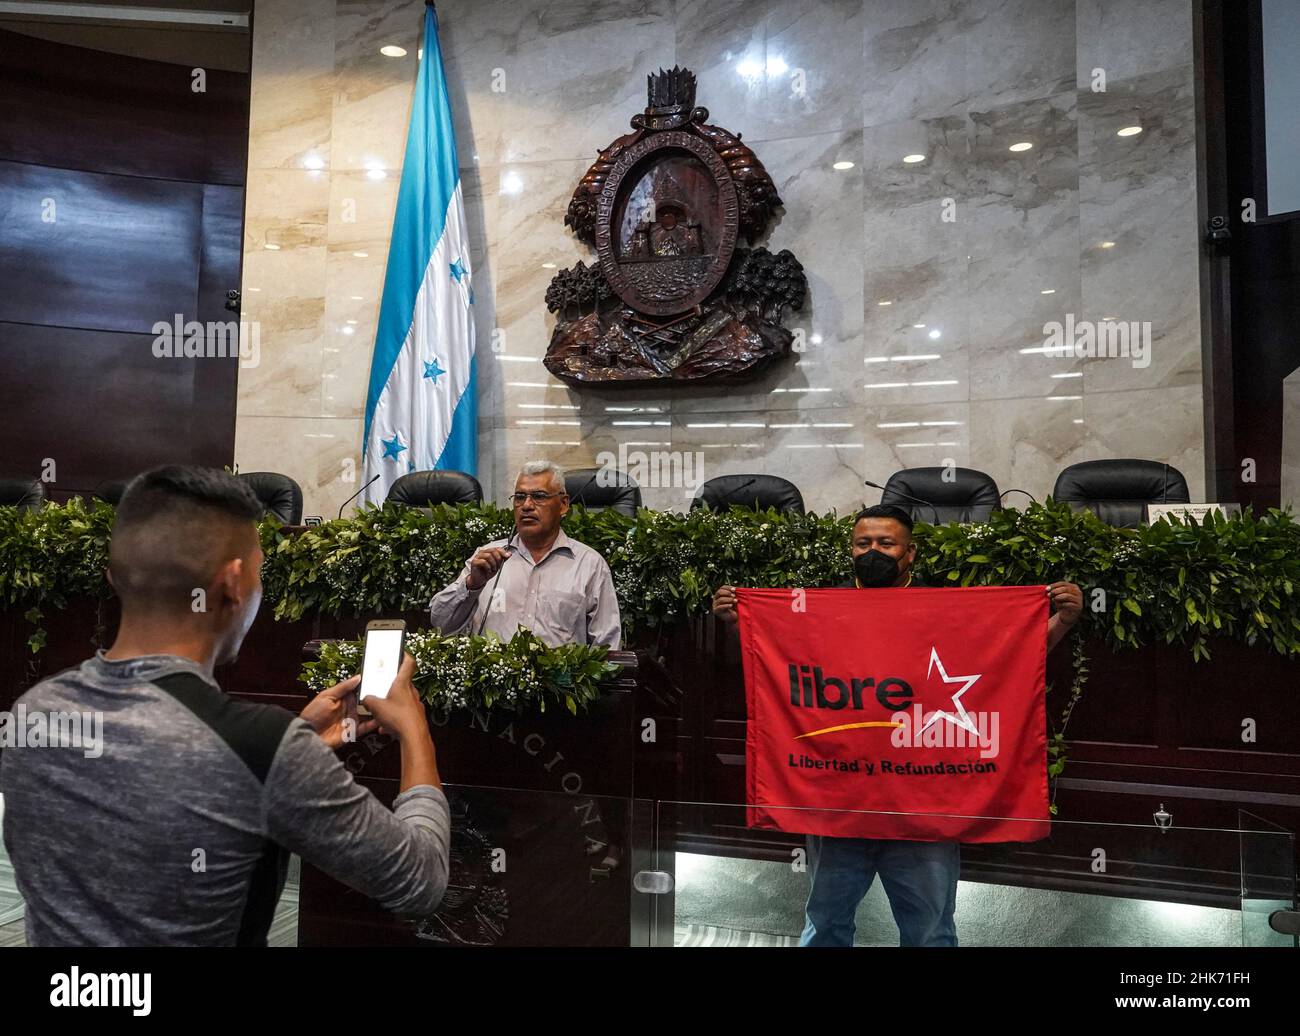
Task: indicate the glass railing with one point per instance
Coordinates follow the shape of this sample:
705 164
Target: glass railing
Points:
532 868
528 868
1068 884
1267 879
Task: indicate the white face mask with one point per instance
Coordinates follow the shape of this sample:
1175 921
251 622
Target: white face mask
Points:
240 630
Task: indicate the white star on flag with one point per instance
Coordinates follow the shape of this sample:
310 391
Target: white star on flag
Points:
961 719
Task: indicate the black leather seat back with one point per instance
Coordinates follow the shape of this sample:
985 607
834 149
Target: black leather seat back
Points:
971 496
600 489
427 488
762 491
26 494
280 495
111 490
1117 491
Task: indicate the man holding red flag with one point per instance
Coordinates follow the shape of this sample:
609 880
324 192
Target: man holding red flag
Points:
920 877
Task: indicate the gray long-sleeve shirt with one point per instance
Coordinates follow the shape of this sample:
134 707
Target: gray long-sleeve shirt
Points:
178 831
566 598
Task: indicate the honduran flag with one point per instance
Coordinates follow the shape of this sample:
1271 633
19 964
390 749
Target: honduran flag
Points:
420 407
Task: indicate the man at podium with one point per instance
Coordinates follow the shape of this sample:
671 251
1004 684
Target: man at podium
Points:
537 577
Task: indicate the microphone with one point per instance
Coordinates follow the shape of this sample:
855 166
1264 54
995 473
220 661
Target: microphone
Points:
32 485
1028 494
358 493
493 589
906 496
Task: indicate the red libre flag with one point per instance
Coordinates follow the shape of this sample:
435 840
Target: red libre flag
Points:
911 713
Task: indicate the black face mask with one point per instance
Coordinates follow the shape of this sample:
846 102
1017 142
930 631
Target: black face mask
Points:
875 569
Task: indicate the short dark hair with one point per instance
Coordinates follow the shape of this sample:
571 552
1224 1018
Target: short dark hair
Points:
175 526
181 484
886 511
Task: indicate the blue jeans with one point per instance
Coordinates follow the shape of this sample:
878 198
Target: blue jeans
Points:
920 879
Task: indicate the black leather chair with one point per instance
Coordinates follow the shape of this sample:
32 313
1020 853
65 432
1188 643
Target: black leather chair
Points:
111 490
280 495
1117 491
26 494
427 488
600 490
761 491
971 496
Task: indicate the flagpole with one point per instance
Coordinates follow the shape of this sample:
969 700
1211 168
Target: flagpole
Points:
421 412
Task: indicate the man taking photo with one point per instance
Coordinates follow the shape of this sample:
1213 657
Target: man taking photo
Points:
179 833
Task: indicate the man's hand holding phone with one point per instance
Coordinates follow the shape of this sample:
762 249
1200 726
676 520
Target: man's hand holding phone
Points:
401 713
333 714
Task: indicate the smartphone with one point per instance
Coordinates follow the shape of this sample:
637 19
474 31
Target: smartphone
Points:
382 657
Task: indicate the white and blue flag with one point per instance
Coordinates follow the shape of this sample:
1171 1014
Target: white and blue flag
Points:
420 406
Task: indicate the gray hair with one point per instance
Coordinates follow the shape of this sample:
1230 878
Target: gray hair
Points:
543 467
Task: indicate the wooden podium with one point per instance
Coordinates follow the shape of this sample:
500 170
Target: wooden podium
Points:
543 828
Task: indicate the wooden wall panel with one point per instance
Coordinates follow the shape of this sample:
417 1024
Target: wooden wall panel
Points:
122 252
79 108
104 407
146 176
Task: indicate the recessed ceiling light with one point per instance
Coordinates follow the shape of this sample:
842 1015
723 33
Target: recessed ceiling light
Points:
273 248
393 51
842 165
348 330
913 159
934 333
885 302
1023 145
918 325
361 255
1128 131
548 266
1108 244
1048 291
356 298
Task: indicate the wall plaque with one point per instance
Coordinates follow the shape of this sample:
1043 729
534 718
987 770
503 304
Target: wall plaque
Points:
673 297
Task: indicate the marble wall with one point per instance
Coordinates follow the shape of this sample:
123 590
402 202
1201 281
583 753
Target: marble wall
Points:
930 282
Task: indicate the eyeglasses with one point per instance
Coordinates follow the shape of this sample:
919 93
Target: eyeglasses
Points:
538 496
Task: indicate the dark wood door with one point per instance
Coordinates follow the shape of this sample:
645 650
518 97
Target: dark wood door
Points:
121 208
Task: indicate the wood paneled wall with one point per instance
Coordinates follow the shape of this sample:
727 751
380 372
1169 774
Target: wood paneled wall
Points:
121 205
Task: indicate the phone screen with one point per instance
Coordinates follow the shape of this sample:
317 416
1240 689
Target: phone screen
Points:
383 657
